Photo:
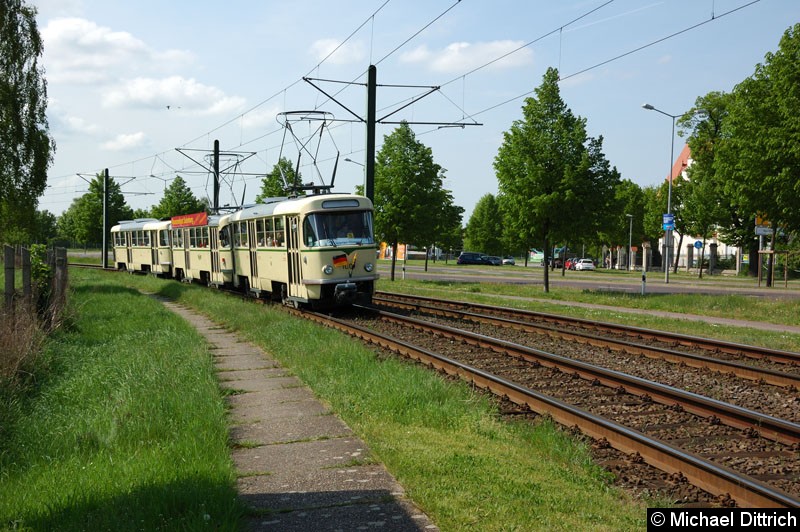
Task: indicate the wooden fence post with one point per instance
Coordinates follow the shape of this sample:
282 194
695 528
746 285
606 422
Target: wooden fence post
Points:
59 294
26 274
8 256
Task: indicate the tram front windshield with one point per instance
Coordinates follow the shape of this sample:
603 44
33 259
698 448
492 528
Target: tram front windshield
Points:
338 229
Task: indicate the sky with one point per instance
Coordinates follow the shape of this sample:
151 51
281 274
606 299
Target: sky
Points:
145 88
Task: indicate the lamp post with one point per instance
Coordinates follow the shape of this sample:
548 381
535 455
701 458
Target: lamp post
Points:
630 241
364 171
668 231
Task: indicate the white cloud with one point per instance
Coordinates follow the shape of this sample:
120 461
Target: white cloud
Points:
350 52
174 92
125 141
79 125
79 51
463 56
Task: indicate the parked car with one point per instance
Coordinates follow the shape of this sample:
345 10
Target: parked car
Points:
508 259
494 261
585 264
470 257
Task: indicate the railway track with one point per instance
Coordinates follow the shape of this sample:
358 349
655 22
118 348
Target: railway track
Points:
765 365
720 448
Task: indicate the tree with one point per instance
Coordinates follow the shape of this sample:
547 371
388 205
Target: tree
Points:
485 227
83 221
178 199
554 179
26 148
760 152
410 201
706 206
279 181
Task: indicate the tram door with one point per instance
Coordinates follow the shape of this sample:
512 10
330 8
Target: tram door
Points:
293 252
129 248
154 250
251 227
214 247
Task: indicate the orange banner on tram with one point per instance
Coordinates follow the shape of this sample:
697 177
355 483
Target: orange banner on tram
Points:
190 220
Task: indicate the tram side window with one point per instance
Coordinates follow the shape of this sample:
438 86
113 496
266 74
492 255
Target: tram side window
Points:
261 237
163 238
193 237
203 239
277 232
309 235
177 238
242 231
224 237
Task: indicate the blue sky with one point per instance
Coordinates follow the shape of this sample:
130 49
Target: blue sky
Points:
130 82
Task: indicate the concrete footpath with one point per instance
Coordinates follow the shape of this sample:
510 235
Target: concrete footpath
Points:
299 466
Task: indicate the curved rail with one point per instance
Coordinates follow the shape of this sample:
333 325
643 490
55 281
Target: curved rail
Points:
711 477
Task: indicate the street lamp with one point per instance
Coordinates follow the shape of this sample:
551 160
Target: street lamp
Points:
668 231
630 241
364 171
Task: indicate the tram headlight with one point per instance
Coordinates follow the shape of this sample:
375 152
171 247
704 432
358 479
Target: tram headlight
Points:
368 267
327 269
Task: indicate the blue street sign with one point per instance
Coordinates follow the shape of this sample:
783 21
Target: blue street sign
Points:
698 244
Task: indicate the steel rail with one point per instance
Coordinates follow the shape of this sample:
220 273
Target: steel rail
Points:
784 357
714 478
735 416
738 369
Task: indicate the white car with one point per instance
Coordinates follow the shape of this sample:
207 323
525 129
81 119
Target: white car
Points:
585 264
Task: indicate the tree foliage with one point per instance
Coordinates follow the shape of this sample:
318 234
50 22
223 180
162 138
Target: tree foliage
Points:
26 148
485 227
178 199
555 182
760 154
82 222
279 181
411 204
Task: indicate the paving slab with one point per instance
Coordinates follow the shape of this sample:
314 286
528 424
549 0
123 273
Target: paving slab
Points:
300 467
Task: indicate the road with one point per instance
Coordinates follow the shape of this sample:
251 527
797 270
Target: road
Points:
614 281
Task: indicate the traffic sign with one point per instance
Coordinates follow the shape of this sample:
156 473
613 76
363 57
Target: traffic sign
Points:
698 244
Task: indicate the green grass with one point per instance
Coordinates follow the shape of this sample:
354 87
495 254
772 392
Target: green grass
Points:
97 444
123 428
442 440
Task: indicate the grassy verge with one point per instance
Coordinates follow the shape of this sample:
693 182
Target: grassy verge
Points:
443 441
123 427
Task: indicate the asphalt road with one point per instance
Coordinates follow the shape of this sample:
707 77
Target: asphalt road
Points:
598 280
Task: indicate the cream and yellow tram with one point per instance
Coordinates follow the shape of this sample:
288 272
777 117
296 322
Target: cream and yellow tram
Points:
142 245
200 251
317 250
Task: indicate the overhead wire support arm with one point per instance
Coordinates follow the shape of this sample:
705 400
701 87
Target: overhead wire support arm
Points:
333 98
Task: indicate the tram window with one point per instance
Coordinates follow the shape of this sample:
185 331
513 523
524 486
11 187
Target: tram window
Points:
224 237
335 229
260 236
277 232
163 238
243 234
204 237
